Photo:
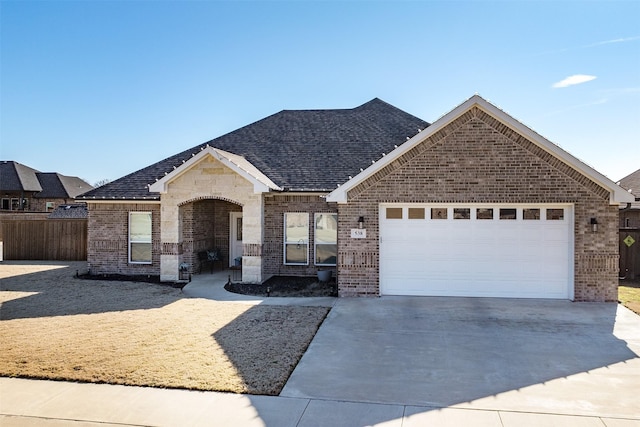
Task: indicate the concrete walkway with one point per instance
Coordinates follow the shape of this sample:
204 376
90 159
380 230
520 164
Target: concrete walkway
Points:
211 286
394 361
30 403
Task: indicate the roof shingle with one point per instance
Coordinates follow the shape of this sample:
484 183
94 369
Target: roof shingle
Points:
299 150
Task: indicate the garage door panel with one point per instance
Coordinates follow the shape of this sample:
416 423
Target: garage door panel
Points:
470 257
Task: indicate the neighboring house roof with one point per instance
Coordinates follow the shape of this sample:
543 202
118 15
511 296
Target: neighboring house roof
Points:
294 150
617 194
631 183
55 185
15 176
69 212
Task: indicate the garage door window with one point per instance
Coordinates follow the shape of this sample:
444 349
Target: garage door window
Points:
438 213
484 213
296 238
533 213
416 213
461 213
507 213
394 213
326 238
555 214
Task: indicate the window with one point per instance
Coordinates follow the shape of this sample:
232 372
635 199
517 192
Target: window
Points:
507 213
555 214
239 229
416 213
394 213
484 213
15 204
5 204
533 213
438 213
140 237
296 238
326 238
461 213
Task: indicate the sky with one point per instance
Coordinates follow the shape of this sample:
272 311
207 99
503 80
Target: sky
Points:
99 89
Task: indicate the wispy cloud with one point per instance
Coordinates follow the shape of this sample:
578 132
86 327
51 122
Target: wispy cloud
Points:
576 79
576 107
620 40
621 91
588 46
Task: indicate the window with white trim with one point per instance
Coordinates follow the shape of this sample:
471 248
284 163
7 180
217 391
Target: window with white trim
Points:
140 237
326 238
296 238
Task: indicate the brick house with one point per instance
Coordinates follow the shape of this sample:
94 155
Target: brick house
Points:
475 204
26 189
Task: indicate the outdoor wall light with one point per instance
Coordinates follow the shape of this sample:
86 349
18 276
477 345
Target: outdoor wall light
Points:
361 222
594 225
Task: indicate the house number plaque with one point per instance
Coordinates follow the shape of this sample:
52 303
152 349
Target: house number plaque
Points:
358 233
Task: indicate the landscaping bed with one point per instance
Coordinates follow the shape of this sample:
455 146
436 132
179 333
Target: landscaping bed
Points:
287 286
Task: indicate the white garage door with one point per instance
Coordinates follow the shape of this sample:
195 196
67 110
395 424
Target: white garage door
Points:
477 250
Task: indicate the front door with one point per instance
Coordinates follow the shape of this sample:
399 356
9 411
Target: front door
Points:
235 237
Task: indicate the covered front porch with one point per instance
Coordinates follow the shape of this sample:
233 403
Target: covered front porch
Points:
213 201
211 236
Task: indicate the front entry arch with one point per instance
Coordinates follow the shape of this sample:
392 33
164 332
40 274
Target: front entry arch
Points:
205 225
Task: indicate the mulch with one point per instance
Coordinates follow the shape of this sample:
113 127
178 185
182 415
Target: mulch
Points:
287 286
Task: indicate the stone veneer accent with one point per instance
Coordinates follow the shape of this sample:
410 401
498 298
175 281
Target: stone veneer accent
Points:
478 159
210 179
273 249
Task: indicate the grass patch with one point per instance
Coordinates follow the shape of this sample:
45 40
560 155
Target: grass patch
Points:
629 294
56 327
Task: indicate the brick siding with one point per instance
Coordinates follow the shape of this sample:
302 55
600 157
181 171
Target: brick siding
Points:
108 251
477 159
273 248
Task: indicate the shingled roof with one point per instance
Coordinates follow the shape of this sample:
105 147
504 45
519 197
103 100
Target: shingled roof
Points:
631 182
15 176
55 185
299 150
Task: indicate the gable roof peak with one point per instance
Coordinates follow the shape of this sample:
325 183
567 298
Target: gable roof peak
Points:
617 194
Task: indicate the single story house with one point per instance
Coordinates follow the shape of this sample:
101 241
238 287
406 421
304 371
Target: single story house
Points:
474 204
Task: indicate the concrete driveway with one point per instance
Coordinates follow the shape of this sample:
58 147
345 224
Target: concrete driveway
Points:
544 356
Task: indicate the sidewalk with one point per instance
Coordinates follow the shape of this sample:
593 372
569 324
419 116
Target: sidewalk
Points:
34 403
211 286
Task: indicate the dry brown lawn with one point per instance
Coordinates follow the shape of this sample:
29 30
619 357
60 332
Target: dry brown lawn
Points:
54 326
629 294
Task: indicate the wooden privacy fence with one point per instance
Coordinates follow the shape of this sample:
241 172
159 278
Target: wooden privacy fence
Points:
630 253
44 239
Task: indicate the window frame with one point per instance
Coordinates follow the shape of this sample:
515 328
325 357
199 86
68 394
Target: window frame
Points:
315 239
285 244
148 241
